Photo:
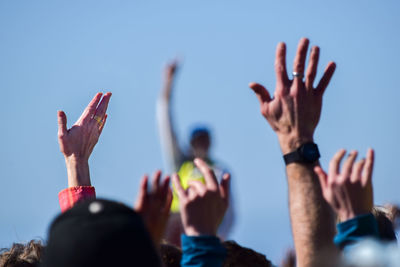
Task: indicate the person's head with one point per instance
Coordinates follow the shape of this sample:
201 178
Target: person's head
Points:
385 218
238 256
22 255
200 141
99 233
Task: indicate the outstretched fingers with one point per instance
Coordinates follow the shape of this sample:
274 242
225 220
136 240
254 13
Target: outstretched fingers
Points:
178 187
356 174
368 167
102 108
261 93
90 110
155 183
224 187
62 123
348 165
334 165
280 65
326 78
312 68
300 60
141 200
102 124
209 176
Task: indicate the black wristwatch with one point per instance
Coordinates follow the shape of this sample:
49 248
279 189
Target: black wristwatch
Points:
306 153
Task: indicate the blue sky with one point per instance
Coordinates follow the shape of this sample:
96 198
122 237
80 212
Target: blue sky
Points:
58 54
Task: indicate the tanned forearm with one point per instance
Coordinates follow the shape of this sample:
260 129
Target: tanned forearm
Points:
78 172
311 217
312 220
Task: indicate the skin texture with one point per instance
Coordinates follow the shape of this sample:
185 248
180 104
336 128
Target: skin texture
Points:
293 113
203 206
348 190
154 204
77 143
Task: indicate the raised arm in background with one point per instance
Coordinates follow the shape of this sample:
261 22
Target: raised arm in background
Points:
349 192
293 113
76 144
172 152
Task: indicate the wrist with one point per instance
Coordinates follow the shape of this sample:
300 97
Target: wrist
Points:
194 231
78 171
290 143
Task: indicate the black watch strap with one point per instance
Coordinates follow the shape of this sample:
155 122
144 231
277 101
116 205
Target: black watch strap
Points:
292 157
306 153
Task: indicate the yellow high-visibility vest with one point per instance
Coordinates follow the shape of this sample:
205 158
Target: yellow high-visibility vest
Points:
187 172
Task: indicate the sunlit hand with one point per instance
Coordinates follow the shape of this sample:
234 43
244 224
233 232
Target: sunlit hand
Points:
77 143
294 110
203 206
154 205
348 191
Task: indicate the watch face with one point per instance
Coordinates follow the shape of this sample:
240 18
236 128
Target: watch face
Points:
310 152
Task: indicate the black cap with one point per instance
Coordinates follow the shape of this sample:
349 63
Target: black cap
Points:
99 233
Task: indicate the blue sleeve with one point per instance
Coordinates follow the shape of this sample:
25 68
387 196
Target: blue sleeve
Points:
356 229
202 251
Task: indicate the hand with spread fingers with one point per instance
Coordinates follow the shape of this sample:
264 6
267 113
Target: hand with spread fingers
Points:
154 205
77 143
203 206
349 190
294 110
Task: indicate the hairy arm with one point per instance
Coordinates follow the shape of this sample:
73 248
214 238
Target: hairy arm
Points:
293 113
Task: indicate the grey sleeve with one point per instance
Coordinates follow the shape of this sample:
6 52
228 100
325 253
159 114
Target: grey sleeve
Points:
172 154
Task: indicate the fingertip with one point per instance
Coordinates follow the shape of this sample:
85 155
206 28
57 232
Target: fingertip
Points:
331 65
198 161
252 85
281 45
304 40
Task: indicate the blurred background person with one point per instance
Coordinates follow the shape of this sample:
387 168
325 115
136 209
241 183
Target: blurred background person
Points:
181 161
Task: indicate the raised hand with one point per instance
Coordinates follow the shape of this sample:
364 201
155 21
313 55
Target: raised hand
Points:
349 190
203 206
77 143
294 110
169 75
153 205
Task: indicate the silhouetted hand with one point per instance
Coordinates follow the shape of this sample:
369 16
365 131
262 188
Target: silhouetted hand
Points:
203 206
77 143
349 190
154 205
294 110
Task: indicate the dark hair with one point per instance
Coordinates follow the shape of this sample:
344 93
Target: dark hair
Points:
22 255
384 218
170 255
238 256
199 131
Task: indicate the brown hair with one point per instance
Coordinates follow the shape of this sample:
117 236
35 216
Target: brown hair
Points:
385 217
238 256
22 255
